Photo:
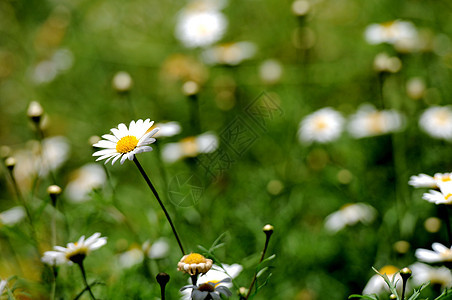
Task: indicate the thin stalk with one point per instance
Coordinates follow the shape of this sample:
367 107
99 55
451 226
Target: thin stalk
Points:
267 240
154 191
53 289
86 281
22 202
447 222
403 289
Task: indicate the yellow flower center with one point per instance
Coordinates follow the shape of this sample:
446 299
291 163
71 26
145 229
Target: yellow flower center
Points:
442 118
446 255
376 122
126 144
320 124
194 258
388 270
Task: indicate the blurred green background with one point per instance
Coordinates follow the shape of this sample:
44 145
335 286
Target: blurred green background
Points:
274 179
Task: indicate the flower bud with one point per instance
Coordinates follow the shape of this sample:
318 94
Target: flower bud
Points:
190 88
268 229
54 191
10 163
162 279
405 273
122 82
35 112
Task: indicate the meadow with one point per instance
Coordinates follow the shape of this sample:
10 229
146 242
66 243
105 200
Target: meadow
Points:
301 127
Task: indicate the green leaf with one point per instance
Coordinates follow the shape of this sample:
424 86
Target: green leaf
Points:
369 297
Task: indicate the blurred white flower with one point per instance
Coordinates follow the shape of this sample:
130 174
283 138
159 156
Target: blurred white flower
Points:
368 121
83 181
440 253
425 181
12 216
423 273
437 122
349 215
126 142
168 129
386 63
444 196
47 70
190 147
324 125
216 274
130 257
402 34
415 88
229 54
200 27
36 160
74 252
3 284
159 249
270 71
377 285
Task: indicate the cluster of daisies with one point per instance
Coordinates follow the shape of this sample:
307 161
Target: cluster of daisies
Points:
124 143
440 255
201 24
327 124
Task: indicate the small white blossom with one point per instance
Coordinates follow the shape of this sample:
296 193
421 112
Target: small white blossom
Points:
426 181
436 121
349 215
377 285
125 142
440 253
368 121
423 273
200 27
74 252
322 126
444 196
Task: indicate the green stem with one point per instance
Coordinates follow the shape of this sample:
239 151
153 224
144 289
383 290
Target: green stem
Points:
267 240
447 222
22 202
85 281
151 186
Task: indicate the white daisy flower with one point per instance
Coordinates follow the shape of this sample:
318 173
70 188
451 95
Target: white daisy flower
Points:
377 285
436 121
74 252
444 196
3 284
324 125
423 273
368 121
349 215
440 254
425 181
194 264
125 143
215 275
190 147
12 216
168 129
130 257
229 54
83 181
402 34
200 27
